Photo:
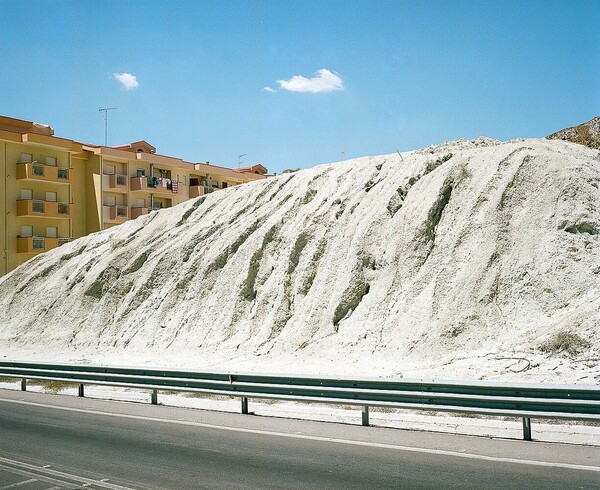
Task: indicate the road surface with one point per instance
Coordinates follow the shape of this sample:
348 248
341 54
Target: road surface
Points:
55 442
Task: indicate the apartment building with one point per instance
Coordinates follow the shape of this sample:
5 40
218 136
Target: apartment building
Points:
57 189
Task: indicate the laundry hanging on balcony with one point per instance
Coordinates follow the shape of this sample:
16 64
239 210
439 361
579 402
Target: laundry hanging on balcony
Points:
175 186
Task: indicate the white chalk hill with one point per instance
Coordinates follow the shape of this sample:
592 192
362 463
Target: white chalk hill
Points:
471 259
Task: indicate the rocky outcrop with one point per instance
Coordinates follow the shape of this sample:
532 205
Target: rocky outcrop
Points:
587 134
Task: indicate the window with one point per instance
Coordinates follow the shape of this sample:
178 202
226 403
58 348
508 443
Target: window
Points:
26 231
51 161
110 201
140 203
39 243
51 196
26 194
26 157
110 170
224 185
51 232
141 172
38 206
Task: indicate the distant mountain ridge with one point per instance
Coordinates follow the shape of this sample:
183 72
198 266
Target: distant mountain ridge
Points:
587 134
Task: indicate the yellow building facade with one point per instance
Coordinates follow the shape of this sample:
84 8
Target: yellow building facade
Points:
56 189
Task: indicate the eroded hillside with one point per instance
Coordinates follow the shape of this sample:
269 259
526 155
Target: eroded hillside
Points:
469 259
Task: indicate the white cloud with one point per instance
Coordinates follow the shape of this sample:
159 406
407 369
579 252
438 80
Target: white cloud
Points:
268 89
128 80
323 81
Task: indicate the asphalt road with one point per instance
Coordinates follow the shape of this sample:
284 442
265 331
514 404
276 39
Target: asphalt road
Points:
55 442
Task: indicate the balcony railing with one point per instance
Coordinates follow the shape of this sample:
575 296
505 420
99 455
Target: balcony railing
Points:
38 206
39 244
117 213
39 171
43 209
138 183
121 211
138 211
200 190
116 182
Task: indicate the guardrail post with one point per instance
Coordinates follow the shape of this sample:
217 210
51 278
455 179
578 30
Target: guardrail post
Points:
24 384
526 429
365 416
154 397
81 394
244 405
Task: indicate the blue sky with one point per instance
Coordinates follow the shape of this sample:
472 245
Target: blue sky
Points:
215 79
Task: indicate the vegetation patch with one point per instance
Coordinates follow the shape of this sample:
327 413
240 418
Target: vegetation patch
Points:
435 213
368 262
582 227
564 342
351 298
431 166
223 257
117 243
52 386
313 268
72 254
369 185
191 246
309 196
299 245
397 201
138 263
185 282
102 283
189 212
248 291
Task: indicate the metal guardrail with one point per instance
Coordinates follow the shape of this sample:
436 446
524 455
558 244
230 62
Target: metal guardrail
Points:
526 401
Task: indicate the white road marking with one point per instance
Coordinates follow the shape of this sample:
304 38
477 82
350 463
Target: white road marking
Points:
45 474
17 471
25 482
440 452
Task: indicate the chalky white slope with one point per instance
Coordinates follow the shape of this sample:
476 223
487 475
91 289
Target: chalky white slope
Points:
465 260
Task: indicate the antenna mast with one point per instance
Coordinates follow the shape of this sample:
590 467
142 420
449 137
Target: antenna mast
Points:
240 161
105 110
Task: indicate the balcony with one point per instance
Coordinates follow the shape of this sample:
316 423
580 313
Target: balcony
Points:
138 211
155 185
43 209
38 244
115 214
138 184
39 171
115 182
200 190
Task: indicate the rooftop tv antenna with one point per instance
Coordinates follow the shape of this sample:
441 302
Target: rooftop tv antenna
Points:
105 110
240 161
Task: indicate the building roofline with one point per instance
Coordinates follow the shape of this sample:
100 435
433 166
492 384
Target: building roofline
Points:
23 126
